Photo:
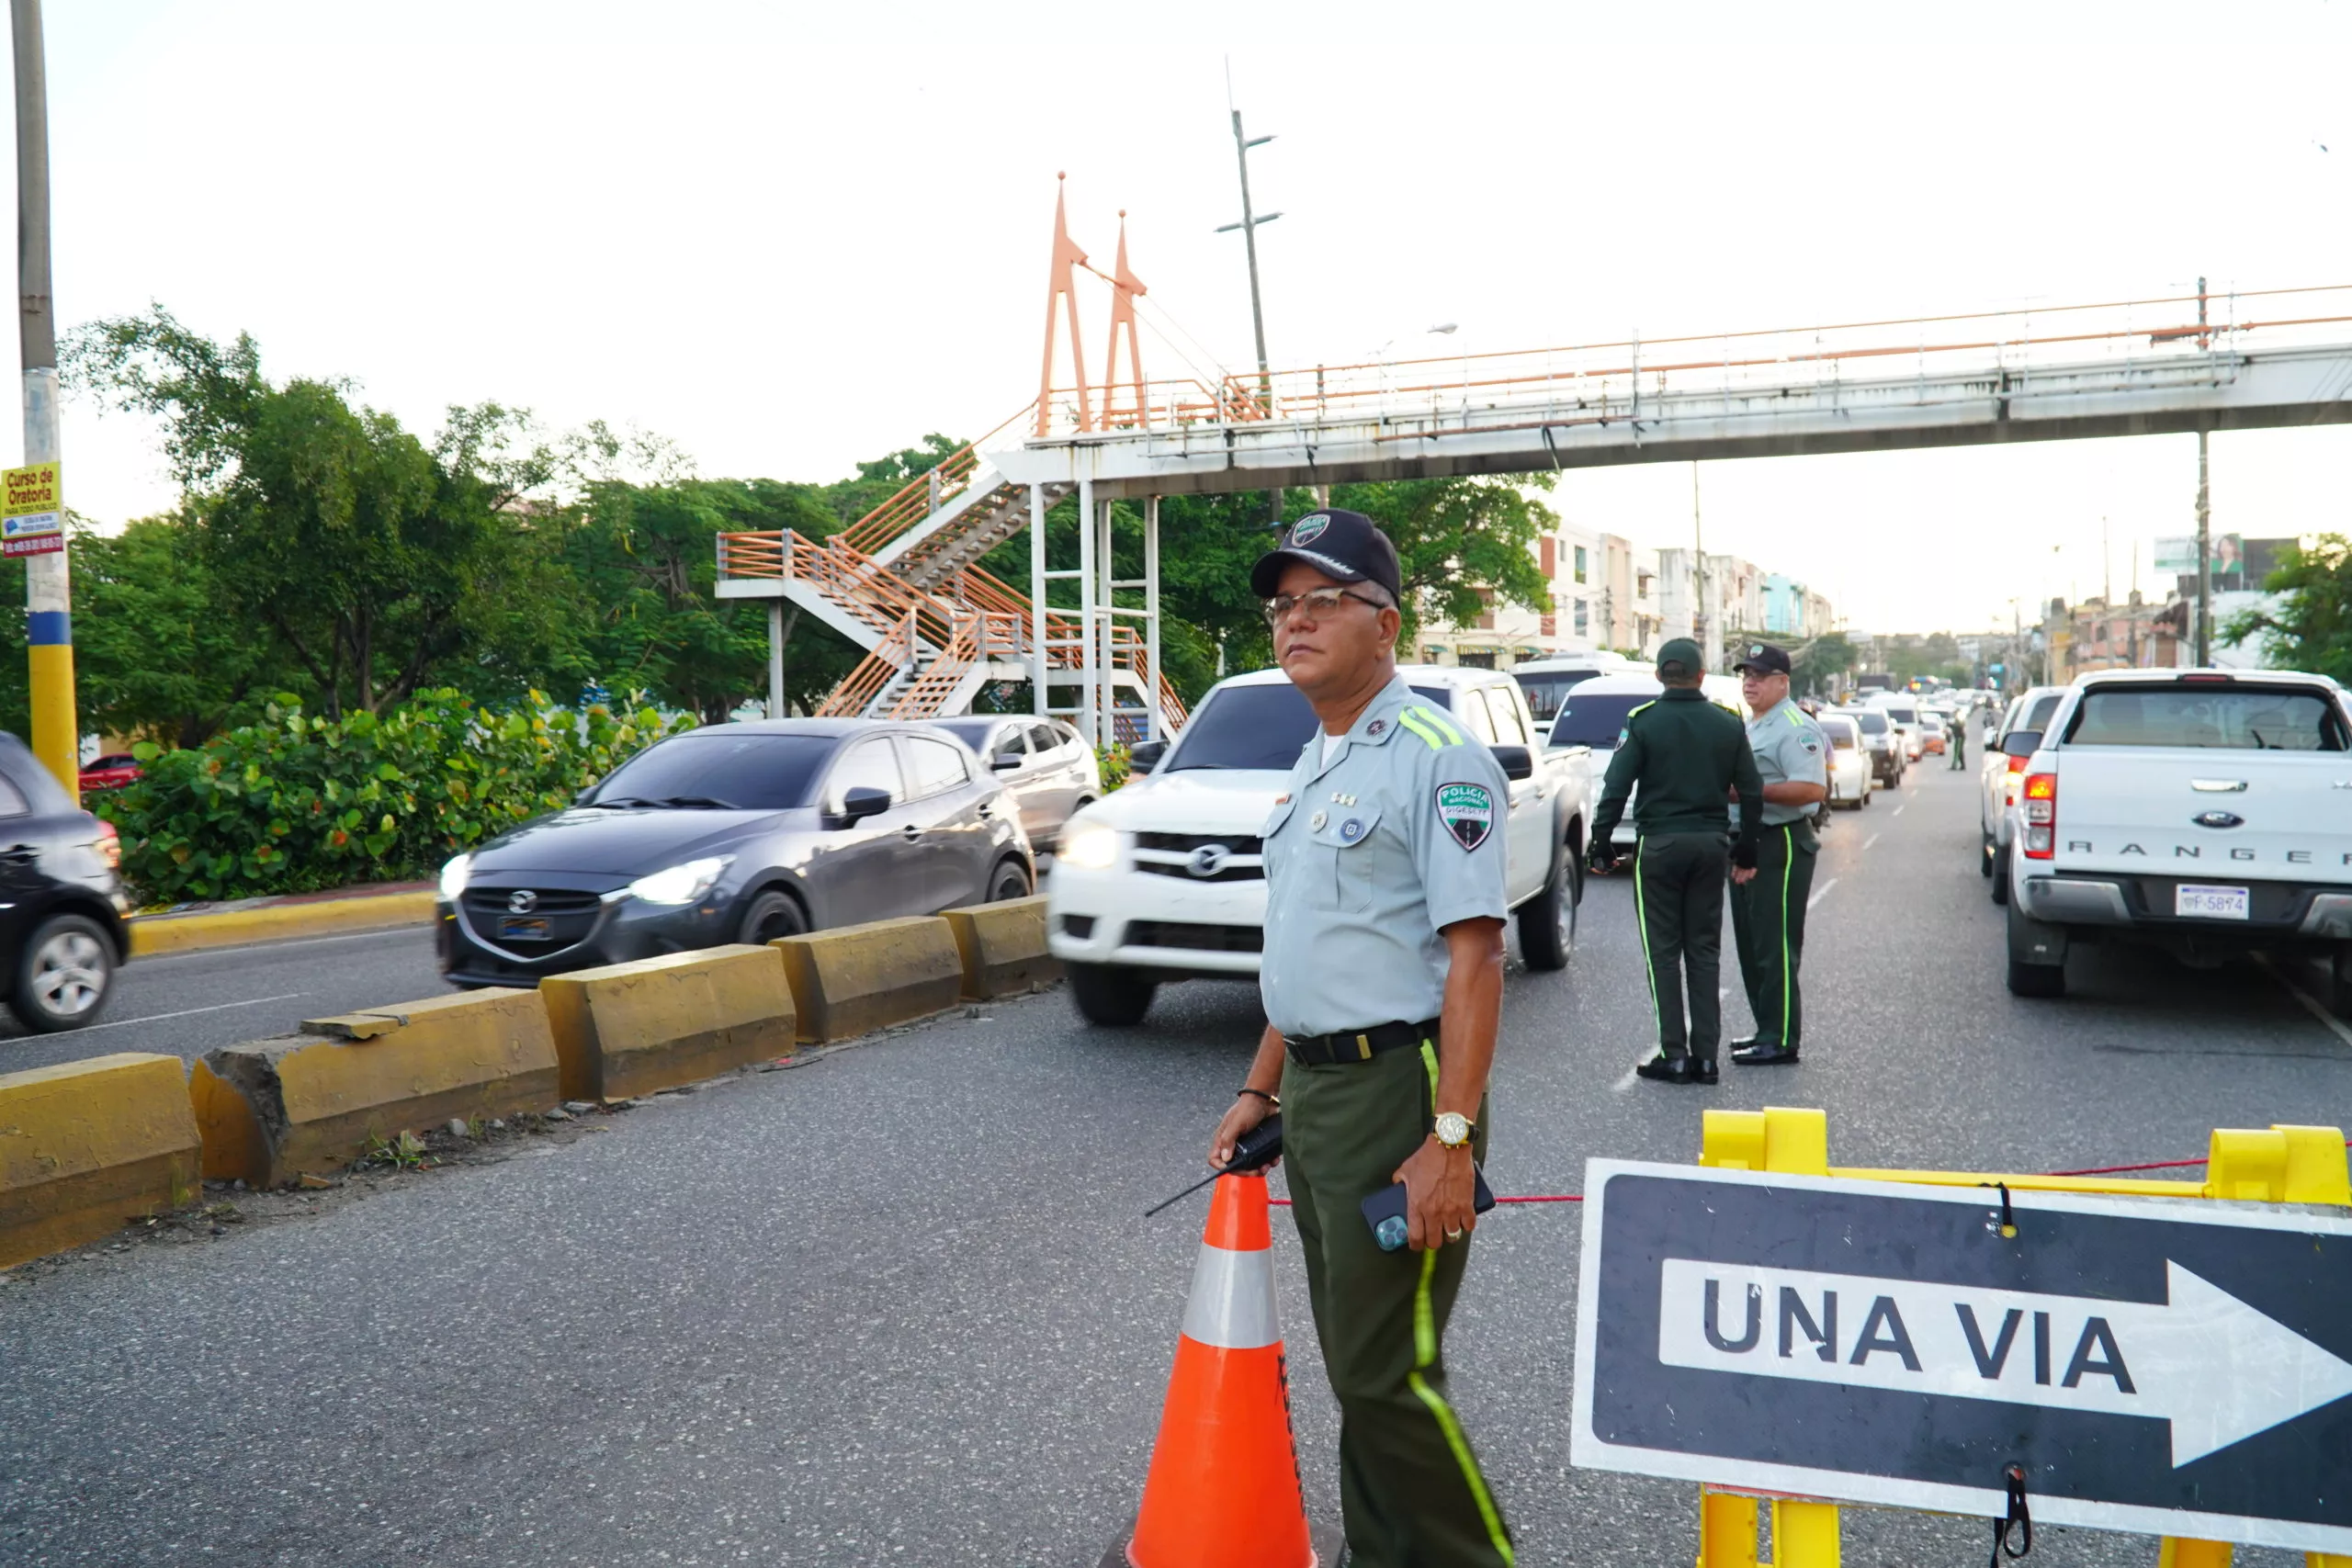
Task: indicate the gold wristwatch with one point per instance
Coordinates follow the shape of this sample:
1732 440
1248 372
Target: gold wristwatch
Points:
1454 1130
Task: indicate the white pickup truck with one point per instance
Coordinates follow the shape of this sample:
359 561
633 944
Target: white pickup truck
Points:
2206 812
1163 880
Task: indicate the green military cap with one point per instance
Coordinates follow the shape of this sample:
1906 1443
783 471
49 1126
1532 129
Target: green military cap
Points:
1679 659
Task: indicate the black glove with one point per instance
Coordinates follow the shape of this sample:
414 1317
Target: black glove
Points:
1600 860
1743 855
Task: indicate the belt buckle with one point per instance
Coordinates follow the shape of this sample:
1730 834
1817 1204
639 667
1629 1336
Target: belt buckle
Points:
1363 1047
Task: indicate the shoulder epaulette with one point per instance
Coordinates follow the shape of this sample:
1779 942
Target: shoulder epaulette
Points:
1436 731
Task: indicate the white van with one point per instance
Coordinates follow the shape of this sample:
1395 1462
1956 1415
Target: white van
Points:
1549 680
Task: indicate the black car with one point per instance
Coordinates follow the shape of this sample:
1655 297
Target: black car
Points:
61 903
737 832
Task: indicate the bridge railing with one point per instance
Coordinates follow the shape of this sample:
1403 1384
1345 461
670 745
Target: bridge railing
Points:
2200 334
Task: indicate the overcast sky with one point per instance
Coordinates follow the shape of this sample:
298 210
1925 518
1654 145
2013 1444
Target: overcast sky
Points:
789 237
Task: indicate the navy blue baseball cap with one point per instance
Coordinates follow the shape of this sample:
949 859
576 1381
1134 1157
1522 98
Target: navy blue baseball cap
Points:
1346 547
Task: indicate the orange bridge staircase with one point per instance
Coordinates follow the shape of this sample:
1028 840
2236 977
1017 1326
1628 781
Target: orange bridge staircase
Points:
901 582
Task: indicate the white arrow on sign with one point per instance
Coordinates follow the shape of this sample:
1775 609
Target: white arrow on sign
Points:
2215 1368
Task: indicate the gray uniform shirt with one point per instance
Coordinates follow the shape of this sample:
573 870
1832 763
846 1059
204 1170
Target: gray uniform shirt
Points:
1790 749
1370 858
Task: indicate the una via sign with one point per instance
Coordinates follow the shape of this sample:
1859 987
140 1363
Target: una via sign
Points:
2163 1367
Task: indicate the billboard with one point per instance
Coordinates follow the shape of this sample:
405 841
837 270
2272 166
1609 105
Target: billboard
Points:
2238 562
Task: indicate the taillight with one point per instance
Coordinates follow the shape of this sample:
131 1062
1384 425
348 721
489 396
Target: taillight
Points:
110 845
2040 815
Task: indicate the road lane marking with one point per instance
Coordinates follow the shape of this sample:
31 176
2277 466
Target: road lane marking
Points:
1869 841
2311 1004
1819 894
190 1012
1629 1080
1898 811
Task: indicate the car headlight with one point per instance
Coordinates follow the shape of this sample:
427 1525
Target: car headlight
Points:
681 884
1093 847
454 875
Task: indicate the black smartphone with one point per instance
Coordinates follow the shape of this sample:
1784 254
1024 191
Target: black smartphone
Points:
1384 1210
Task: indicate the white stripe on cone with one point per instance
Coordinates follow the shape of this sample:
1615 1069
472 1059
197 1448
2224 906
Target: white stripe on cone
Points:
1232 1305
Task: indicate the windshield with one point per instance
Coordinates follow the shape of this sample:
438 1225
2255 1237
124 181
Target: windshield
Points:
720 767
973 733
1595 718
1841 734
1258 727
1901 713
1546 689
1871 721
2209 718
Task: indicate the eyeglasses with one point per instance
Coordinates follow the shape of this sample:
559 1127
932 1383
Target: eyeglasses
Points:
1315 601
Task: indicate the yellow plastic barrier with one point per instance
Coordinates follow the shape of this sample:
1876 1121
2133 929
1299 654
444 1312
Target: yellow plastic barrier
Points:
1003 947
87 1145
2280 1165
273 1109
629 1029
860 978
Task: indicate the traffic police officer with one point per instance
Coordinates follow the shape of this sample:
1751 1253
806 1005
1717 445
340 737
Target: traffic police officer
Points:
1382 985
1767 913
1685 754
1958 740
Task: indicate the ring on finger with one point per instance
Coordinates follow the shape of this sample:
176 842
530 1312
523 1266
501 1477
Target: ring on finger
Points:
1453 1235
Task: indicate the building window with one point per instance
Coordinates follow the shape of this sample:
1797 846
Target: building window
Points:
1580 563
1583 623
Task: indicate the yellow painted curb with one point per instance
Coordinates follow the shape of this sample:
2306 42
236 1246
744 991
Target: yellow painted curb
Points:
272 1110
1003 947
856 979
87 1145
628 1029
154 935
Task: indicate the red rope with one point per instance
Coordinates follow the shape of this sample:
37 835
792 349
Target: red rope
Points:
2089 1171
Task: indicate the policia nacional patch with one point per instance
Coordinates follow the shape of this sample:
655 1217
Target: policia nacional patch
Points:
1468 812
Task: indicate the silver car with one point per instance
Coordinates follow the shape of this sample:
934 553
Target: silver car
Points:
1042 763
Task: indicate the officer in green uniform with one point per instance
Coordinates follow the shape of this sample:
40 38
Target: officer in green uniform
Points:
1767 913
1958 726
1686 755
1382 979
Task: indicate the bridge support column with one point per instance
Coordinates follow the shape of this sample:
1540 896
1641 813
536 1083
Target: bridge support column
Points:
1089 631
1157 729
775 658
1040 663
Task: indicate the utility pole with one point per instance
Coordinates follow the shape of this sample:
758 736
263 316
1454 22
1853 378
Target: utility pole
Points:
1248 227
1250 219
2204 524
57 737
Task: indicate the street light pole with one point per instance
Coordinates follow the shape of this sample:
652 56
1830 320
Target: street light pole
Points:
2204 525
1248 227
57 739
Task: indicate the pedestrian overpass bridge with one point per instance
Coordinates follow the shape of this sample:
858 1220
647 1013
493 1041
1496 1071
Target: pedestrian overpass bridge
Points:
904 582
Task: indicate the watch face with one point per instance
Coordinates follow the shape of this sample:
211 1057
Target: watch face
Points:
1453 1129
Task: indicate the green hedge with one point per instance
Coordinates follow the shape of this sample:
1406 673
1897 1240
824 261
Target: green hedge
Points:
299 803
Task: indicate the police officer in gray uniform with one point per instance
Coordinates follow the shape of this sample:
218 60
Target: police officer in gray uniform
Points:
1767 913
1383 986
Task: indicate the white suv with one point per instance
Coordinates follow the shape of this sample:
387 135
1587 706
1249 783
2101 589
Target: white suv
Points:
1164 880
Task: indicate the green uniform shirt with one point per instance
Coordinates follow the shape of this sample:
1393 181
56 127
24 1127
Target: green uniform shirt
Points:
1790 749
1687 755
1369 858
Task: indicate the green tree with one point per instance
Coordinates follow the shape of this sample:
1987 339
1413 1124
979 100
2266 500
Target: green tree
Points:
376 562
2310 627
1828 655
154 654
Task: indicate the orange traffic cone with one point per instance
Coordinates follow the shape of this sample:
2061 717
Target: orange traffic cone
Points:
1223 1489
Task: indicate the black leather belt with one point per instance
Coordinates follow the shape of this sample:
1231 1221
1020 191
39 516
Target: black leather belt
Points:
1360 1045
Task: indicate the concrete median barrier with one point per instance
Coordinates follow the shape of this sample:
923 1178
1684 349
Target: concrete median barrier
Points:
629 1029
89 1145
272 1110
1003 947
858 978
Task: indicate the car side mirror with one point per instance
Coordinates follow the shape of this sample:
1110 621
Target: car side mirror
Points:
1517 761
862 802
1144 756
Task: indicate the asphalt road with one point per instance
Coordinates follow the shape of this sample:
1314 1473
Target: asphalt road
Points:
188 1003
898 1306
